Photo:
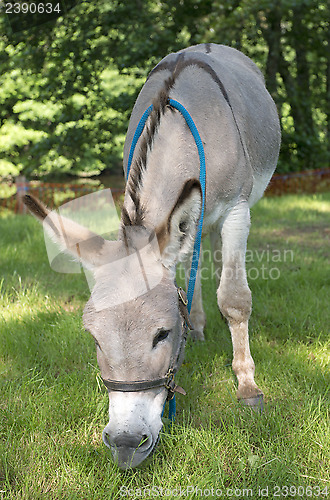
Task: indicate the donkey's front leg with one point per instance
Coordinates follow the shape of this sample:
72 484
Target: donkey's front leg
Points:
234 300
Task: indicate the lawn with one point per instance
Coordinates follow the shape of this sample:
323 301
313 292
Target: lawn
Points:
53 407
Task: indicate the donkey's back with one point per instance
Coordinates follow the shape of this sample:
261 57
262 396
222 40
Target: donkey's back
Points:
225 93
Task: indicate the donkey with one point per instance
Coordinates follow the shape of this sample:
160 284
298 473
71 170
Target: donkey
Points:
140 340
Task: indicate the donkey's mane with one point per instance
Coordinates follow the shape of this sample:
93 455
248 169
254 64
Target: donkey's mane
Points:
160 105
135 180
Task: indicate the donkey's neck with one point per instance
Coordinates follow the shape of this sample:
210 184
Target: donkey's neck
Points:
171 161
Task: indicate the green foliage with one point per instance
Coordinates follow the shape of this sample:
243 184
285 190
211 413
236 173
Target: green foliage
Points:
289 40
68 86
7 168
61 83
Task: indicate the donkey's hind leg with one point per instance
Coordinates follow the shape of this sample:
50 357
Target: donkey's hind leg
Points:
235 302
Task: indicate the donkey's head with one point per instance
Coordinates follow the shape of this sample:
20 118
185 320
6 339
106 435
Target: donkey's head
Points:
136 315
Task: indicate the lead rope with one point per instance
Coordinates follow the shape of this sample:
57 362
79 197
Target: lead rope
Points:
202 179
171 410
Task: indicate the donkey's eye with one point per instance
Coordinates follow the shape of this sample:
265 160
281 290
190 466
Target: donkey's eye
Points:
183 226
161 335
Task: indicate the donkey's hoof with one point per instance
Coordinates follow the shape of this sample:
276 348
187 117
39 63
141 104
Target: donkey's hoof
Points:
256 403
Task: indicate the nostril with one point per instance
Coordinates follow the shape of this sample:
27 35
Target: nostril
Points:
144 443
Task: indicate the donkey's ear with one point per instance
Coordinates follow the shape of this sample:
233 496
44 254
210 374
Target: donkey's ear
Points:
70 237
176 238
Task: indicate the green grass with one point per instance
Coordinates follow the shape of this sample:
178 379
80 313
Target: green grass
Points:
53 408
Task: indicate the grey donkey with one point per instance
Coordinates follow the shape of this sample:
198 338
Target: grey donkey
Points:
140 336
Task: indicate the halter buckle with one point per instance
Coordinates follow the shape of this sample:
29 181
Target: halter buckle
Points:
182 296
171 386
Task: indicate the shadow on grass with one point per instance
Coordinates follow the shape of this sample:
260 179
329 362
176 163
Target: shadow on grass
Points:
50 341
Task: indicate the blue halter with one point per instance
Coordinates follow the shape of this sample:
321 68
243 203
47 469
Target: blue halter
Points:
202 180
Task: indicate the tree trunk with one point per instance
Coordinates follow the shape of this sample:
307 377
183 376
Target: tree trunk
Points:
22 187
297 86
300 39
270 26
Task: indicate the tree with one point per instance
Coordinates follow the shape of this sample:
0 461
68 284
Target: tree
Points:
64 104
68 86
290 41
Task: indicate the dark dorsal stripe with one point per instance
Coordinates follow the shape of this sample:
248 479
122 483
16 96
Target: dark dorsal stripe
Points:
208 48
180 63
177 65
